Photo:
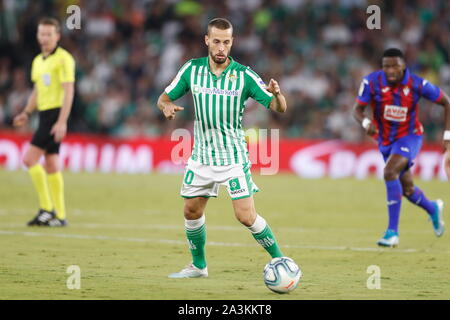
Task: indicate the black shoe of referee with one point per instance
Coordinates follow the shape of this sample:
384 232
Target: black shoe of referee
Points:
55 222
42 218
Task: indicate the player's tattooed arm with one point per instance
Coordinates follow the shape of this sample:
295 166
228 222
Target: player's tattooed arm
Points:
278 103
167 106
22 117
366 123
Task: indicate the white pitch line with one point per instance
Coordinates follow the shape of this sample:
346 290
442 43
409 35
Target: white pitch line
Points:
180 227
211 243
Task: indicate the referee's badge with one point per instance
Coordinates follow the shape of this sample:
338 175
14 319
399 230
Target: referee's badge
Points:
46 79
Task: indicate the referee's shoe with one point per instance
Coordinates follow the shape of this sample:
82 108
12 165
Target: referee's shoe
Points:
47 219
42 217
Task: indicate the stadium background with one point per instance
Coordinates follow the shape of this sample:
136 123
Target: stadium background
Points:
128 51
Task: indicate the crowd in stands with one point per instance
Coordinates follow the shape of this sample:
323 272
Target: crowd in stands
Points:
127 52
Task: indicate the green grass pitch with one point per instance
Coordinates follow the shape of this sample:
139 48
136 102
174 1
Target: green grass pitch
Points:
126 234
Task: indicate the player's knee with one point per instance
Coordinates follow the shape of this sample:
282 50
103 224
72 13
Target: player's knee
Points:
245 215
51 168
390 174
192 212
246 219
408 190
29 162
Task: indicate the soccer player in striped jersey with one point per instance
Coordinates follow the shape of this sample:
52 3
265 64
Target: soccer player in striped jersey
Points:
393 94
220 86
53 75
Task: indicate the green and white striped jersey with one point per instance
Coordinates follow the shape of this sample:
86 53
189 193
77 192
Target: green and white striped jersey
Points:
219 105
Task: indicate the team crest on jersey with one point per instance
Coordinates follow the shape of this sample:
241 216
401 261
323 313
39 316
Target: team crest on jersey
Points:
406 91
232 77
196 89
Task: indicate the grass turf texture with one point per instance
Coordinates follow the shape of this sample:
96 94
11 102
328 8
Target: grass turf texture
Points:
126 234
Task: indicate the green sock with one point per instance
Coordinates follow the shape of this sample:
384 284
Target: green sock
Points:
267 240
197 239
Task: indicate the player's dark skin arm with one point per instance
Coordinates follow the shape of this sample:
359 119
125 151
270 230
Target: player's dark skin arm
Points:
358 114
167 106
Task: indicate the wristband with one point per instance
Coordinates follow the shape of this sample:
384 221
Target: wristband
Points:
366 123
447 135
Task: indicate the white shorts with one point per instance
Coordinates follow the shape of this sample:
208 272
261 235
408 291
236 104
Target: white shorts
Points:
202 180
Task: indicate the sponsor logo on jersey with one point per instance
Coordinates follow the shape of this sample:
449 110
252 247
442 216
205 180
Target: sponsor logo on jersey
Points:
196 89
234 184
395 113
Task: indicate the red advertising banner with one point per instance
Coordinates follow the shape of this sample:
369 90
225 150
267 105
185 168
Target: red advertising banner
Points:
306 158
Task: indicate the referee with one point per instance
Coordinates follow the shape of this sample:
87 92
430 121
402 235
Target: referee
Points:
53 75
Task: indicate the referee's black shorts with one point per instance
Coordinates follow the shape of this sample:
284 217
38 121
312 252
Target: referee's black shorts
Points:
42 137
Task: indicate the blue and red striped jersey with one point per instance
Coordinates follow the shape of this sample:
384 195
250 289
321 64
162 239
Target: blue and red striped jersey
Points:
395 108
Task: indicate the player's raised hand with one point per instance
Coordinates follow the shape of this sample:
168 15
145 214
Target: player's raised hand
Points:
20 119
169 111
273 87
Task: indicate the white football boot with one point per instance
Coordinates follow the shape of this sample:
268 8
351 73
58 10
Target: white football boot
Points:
190 271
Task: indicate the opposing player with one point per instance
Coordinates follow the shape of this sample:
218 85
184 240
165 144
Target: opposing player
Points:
393 94
53 75
219 87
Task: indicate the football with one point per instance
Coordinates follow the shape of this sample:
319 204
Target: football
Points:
282 275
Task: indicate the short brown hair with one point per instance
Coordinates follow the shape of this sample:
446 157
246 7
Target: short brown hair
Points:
220 23
47 21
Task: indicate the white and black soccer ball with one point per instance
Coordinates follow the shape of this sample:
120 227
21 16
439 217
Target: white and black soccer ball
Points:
282 275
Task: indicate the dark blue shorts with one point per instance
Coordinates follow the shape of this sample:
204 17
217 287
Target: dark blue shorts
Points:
408 147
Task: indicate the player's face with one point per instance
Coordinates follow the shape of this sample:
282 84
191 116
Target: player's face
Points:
219 44
48 37
394 68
